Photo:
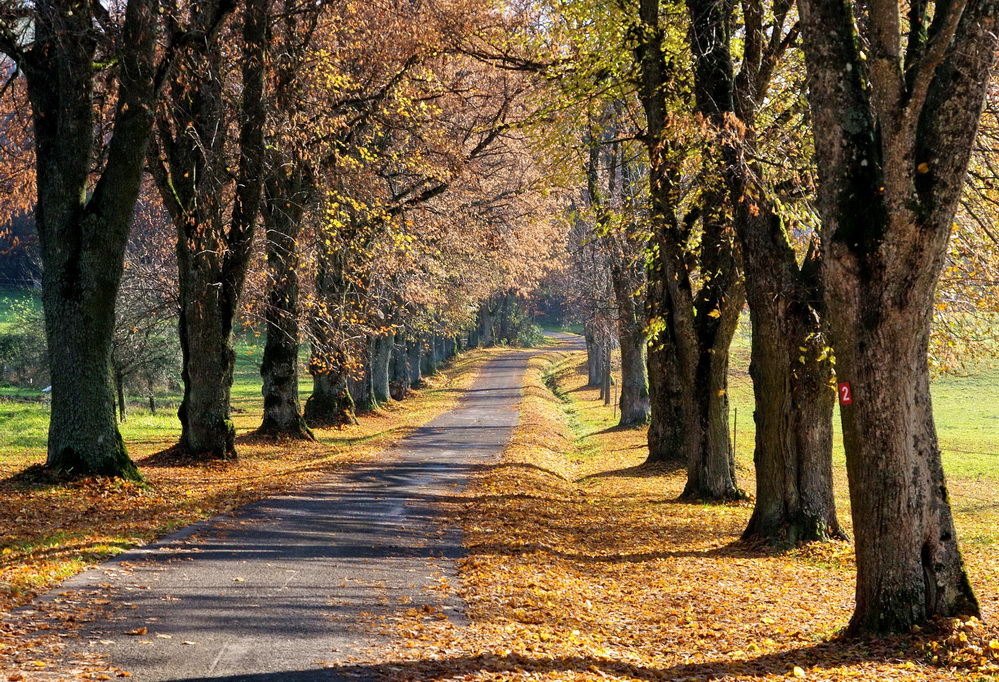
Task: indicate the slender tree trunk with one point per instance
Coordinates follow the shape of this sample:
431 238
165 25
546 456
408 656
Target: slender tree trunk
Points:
400 372
119 381
607 378
413 350
381 357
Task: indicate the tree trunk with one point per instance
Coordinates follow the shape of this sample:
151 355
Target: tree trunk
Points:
381 357
83 216
429 366
286 195
83 433
330 403
413 350
119 382
634 401
607 378
792 379
593 364
504 319
486 337
362 384
696 331
208 360
892 152
213 257
399 369
790 367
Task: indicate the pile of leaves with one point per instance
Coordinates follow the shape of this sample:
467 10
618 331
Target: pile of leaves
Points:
582 565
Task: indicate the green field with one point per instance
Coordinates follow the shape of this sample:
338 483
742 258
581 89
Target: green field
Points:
24 413
966 408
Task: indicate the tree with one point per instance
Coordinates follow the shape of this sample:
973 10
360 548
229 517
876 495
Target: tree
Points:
623 243
790 366
694 292
191 167
895 100
82 216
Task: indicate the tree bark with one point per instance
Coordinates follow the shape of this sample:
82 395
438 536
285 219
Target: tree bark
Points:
381 357
634 401
212 258
83 239
892 146
593 373
413 350
286 197
399 369
790 367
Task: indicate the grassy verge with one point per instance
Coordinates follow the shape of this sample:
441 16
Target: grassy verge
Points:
50 530
582 565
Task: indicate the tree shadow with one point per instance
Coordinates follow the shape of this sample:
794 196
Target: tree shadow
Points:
825 656
643 470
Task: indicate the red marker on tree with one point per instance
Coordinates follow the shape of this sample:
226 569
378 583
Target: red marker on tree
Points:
845 393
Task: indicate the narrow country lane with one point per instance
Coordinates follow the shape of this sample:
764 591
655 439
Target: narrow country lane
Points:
296 584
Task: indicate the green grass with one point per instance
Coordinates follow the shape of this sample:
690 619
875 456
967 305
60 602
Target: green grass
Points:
24 413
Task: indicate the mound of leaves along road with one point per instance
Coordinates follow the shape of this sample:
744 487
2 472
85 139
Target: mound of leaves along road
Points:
583 565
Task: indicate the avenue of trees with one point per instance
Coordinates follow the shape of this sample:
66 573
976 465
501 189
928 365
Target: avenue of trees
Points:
389 181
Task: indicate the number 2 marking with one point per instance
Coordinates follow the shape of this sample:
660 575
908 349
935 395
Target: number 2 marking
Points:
845 394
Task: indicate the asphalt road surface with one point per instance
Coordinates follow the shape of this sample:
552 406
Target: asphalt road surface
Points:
293 587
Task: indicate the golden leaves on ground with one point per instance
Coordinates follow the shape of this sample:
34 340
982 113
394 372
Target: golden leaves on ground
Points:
583 565
52 527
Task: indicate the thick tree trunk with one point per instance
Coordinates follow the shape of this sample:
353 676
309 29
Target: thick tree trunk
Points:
208 361
330 403
893 151
213 254
83 216
284 208
794 402
83 432
429 364
689 419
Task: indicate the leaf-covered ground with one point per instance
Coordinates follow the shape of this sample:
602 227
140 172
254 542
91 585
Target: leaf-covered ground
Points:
51 529
582 565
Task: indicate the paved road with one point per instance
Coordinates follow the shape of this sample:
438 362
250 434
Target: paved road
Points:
294 584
